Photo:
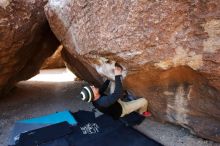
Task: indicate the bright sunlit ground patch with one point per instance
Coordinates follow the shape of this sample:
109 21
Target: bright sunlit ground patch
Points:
54 75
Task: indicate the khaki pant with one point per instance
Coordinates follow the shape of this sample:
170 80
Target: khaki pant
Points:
139 105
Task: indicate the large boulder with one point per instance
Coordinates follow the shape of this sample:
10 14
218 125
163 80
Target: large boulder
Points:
25 41
170 51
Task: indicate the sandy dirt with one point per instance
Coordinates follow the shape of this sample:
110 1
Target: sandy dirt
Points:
35 98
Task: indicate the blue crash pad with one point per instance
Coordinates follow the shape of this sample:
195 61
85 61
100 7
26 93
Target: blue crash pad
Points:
52 119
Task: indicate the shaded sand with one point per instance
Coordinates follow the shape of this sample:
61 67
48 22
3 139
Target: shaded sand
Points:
31 99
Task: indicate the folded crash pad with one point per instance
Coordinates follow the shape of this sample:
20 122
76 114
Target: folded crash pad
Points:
45 134
23 126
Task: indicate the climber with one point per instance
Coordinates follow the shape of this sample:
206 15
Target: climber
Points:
112 104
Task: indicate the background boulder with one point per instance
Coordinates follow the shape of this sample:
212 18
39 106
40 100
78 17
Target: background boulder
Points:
25 41
54 61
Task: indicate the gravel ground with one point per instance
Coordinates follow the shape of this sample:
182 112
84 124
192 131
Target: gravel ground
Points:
31 99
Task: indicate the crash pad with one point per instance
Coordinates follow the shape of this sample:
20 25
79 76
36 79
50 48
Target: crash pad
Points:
26 125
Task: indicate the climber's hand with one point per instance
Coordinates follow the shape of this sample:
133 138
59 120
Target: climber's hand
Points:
118 70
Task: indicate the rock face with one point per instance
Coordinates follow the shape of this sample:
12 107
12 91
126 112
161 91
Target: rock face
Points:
181 96
170 51
25 41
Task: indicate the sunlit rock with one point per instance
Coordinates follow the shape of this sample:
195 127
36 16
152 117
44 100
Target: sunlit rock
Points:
54 61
